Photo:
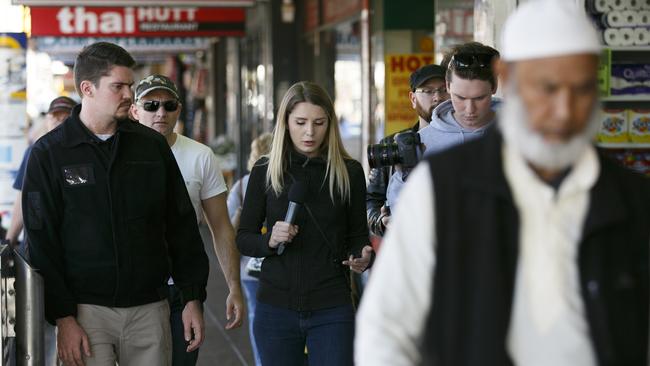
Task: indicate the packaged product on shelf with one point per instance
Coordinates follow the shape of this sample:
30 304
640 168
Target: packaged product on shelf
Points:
597 6
620 18
613 125
637 161
630 79
618 37
644 18
639 125
641 37
634 159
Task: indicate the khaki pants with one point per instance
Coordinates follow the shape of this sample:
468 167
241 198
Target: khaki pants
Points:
134 336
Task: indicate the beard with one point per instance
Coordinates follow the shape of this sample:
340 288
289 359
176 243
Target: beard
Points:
554 156
423 113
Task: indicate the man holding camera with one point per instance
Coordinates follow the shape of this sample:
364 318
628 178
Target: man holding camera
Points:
468 113
428 90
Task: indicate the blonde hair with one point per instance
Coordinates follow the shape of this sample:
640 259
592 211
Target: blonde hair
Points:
332 147
259 147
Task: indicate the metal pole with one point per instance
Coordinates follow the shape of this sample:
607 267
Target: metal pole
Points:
367 129
7 305
29 317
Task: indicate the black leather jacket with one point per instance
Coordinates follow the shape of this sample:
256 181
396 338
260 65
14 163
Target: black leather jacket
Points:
377 186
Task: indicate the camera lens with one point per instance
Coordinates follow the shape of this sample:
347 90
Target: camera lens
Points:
381 155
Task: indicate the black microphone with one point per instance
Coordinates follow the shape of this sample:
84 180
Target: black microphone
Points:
297 194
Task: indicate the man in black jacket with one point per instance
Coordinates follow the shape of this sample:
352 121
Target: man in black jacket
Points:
109 219
427 92
526 246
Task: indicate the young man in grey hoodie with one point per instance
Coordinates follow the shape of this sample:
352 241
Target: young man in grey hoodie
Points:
471 84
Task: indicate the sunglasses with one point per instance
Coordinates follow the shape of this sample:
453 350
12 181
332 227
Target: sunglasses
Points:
154 105
471 60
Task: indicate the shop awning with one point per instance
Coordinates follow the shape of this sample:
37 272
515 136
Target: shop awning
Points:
79 21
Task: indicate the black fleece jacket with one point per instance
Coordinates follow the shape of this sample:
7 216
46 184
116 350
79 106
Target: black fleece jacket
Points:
309 274
108 222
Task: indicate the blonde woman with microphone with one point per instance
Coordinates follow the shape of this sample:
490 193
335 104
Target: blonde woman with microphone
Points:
304 292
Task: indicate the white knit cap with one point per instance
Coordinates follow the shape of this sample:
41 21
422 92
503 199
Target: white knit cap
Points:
548 28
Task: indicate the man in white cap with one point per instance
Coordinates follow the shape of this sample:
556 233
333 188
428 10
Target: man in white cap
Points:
553 269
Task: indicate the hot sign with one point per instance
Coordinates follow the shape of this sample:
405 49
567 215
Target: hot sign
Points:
82 21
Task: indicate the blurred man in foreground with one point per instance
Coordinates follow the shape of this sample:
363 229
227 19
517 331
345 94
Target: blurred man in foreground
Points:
524 247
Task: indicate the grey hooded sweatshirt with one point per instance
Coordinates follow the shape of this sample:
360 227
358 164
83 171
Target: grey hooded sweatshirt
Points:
442 133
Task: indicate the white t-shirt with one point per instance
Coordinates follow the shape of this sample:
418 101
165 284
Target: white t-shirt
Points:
200 170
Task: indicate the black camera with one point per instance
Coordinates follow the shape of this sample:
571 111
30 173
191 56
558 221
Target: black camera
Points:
405 150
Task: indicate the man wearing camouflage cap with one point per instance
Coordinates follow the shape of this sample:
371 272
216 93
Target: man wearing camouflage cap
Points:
157 105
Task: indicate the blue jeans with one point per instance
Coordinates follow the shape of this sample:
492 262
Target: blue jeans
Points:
250 287
282 334
180 356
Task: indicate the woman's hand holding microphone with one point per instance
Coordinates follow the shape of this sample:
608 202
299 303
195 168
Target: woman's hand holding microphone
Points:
282 232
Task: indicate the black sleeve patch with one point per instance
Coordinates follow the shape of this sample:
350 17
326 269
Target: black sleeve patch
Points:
34 211
78 175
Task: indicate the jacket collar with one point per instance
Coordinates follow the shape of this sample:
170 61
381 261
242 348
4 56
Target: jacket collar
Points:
76 133
300 159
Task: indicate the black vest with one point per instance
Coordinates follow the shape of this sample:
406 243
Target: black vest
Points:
476 260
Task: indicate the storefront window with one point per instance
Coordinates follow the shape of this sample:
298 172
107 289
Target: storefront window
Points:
454 24
347 86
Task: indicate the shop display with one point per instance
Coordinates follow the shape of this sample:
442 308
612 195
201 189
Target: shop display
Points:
629 79
613 125
624 80
635 159
639 125
622 22
624 126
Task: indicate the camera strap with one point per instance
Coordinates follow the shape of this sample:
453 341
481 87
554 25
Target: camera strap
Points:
330 245
346 271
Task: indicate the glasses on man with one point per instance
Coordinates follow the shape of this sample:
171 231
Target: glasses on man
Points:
431 92
154 105
471 61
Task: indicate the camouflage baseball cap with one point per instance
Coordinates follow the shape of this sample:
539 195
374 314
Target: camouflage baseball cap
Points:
154 82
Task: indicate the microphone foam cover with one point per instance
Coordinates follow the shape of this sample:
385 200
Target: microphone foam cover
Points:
298 192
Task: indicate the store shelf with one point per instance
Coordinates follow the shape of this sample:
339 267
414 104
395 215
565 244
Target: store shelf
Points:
623 145
629 48
626 98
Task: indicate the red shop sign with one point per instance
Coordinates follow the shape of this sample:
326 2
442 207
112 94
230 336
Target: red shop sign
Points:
82 21
215 3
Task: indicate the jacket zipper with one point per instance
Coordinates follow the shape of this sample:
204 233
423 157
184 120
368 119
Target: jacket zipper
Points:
112 213
299 286
300 251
